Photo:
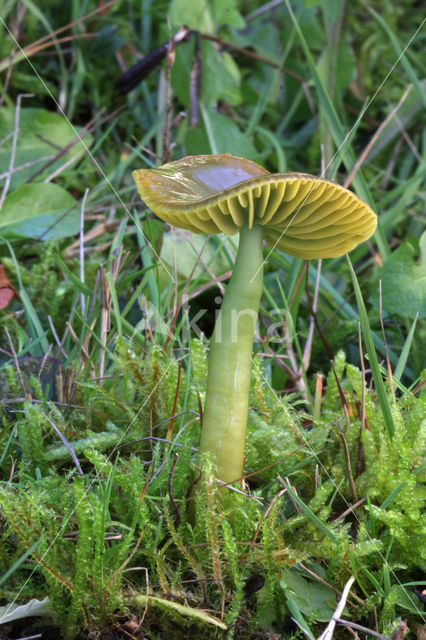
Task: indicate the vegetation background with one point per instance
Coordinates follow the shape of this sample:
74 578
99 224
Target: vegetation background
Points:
102 374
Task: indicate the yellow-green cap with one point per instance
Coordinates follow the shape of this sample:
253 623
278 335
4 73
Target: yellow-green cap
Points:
304 216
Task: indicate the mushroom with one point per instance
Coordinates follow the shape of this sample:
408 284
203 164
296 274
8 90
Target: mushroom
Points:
304 216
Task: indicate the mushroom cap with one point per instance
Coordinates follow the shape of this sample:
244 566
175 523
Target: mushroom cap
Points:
304 216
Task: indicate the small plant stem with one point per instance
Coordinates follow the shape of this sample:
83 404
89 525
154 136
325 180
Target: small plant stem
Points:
228 380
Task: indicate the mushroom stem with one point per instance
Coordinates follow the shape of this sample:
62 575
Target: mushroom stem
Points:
229 362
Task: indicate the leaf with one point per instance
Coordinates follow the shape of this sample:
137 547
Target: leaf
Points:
404 282
7 290
39 210
221 77
197 615
226 12
313 599
224 134
185 249
41 135
196 14
10 612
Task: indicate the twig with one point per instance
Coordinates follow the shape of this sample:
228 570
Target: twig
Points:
16 361
55 335
28 49
324 582
350 509
82 297
359 627
89 128
358 164
105 318
66 444
308 346
171 496
328 633
252 54
172 420
361 461
14 145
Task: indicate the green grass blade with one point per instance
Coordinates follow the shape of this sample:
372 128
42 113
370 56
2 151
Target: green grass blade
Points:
341 140
19 562
34 322
400 367
401 51
329 111
311 515
372 357
114 299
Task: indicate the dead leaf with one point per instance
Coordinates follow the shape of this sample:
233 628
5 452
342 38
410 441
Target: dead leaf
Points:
7 290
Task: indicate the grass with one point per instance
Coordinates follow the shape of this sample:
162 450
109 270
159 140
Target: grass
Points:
102 374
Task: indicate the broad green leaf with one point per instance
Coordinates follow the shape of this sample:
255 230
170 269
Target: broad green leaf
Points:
345 69
221 79
313 599
42 134
226 13
185 249
39 210
405 599
224 134
404 282
196 14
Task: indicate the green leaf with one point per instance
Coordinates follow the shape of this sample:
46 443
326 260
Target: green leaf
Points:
185 248
224 134
196 14
313 599
42 134
39 210
220 77
404 282
226 12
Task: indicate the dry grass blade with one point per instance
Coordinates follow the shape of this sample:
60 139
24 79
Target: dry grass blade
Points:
328 632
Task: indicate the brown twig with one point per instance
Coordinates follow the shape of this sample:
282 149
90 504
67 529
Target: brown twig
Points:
363 156
172 420
312 322
170 488
360 467
350 509
102 8
312 310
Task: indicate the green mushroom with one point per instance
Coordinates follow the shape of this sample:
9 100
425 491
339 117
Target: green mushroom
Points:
304 216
